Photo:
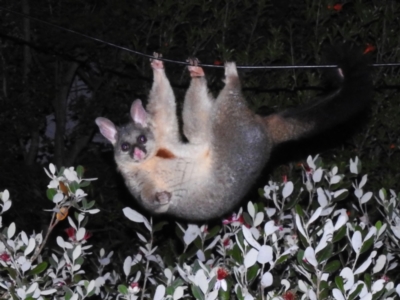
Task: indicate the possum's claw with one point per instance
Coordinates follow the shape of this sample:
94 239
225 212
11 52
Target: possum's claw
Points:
193 61
194 69
155 62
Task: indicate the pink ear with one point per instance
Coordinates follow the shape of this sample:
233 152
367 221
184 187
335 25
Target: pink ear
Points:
107 129
138 113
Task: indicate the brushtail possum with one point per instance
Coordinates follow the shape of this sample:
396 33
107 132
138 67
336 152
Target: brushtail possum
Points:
228 144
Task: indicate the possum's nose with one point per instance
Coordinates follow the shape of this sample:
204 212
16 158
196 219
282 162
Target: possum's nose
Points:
138 154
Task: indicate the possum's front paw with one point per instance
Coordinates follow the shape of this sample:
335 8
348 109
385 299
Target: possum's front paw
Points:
194 69
163 198
155 63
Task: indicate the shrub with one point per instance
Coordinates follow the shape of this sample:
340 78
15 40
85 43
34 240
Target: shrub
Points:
313 238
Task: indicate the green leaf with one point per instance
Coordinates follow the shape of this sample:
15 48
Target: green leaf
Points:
259 206
213 232
388 293
12 273
240 238
91 293
159 226
84 203
77 278
84 184
61 171
305 265
300 255
384 192
339 283
318 162
367 280
252 272
332 266
324 293
224 295
179 233
211 284
299 211
378 225
170 291
323 285
80 170
390 211
68 292
192 251
256 210
50 193
52 262
239 293
247 218
197 293
292 202
367 244
261 193
39 268
282 259
236 254
339 234
85 283
73 186
325 253
122 289
358 228
196 266
198 242
303 240
379 294
79 261
342 196
177 282
87 205
354 294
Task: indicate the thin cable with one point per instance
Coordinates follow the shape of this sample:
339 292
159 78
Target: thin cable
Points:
183 62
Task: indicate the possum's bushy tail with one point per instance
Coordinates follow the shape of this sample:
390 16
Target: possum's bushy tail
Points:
353 96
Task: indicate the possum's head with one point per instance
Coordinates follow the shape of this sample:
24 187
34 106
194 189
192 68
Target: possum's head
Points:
134 142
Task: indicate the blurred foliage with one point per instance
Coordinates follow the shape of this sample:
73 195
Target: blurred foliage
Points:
249 32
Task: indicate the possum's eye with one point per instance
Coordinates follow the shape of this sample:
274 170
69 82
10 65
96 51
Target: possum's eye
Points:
125 146
142 139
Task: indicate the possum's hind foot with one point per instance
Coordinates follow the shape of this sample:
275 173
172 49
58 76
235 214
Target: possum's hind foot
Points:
155 62
194 69
163 197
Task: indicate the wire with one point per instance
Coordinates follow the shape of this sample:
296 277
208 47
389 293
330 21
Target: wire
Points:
183 62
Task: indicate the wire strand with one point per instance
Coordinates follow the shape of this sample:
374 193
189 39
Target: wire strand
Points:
177 61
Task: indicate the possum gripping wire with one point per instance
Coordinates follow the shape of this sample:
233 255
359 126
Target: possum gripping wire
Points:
176 61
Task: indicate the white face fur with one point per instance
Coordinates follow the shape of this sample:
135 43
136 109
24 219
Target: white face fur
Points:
133 142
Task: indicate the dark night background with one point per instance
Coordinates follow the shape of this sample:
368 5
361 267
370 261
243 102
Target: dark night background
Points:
55 83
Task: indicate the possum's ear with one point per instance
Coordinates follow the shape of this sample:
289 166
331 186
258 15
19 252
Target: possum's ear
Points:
139 114
107 129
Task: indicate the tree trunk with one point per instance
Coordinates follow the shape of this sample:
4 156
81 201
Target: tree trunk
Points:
30 153
60 107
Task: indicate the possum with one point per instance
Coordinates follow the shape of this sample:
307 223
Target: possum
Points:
228 144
